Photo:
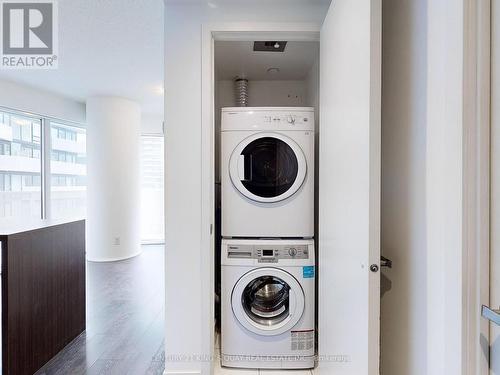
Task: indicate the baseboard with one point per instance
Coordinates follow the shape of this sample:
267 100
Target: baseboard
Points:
104 260
173 372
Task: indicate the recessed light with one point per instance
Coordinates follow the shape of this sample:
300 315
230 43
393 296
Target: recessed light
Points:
273 70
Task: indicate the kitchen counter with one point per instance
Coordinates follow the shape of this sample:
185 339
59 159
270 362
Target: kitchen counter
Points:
10 227
43 290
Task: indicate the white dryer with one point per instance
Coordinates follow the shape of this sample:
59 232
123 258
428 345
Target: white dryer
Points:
267 298
267 172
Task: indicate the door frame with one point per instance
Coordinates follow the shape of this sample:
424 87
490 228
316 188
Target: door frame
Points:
476 183
225 31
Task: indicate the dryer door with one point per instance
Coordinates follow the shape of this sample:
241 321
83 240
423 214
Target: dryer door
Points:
268 301
268 167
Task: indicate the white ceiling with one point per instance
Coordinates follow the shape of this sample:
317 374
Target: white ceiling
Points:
106 47
237 59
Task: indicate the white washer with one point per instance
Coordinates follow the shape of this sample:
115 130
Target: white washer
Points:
267 172
268 302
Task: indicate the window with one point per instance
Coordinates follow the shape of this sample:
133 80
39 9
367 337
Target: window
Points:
68 185
152 222
4 148
20 166
22 170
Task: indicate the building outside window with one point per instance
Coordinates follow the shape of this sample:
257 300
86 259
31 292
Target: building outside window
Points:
68 170
22 170
20 166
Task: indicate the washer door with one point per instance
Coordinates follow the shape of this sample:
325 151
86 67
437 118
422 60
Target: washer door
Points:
268 301
267 167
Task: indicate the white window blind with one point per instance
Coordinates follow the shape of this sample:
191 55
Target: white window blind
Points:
152 193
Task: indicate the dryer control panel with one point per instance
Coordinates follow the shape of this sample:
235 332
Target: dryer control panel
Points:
267 118
290 119
268 253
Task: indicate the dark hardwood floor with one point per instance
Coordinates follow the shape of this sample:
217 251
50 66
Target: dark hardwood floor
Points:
125 320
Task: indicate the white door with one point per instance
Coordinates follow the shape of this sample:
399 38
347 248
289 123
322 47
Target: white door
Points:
349 188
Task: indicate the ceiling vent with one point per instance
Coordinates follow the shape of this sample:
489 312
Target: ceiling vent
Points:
271 46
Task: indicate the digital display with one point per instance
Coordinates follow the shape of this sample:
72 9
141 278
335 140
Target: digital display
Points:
267 253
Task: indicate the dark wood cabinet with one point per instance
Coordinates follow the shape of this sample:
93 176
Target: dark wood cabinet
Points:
43 293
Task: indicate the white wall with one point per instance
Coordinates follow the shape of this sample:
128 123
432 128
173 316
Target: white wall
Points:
312 88
151 124
183 67
266 93
113 198
422 197
23 98
403 237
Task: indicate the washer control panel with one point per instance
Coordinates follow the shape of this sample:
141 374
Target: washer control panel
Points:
268 253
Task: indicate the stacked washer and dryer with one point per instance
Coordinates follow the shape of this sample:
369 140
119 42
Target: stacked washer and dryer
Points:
267 255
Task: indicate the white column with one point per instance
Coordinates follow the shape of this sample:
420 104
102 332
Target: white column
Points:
113 207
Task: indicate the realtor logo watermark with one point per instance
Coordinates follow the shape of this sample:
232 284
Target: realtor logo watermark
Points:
29 34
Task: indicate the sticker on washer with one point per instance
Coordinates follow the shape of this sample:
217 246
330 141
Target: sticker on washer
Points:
302 340
308 272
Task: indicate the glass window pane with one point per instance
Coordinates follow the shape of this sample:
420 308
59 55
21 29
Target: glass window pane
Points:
68 170
20 167
152 223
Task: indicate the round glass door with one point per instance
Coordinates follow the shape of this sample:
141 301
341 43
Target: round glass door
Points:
268 301
268 167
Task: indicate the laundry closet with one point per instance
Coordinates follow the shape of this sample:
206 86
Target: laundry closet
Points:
209 45
266 98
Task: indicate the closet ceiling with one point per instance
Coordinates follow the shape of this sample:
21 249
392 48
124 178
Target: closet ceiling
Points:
238 59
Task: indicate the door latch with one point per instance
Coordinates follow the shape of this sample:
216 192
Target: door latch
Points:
385 262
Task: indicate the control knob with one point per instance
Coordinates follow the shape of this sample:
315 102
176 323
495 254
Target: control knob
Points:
292 251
